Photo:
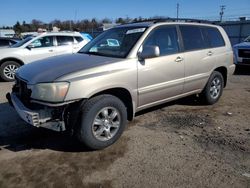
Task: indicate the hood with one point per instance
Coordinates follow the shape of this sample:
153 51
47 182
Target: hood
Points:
5 49
48 70
243 44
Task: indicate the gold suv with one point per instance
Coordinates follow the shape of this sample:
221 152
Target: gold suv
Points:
124 70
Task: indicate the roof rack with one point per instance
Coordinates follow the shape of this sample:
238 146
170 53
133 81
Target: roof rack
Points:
158 20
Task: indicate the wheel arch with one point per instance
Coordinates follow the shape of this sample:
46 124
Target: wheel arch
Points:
124 95
223 71
11 59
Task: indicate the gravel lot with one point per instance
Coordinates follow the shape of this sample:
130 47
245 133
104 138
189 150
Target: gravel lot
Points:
181 144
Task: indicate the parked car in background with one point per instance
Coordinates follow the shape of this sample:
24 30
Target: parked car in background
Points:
38 47
24 35
7 42
242 52
124 70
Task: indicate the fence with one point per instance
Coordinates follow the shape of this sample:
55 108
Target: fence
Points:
237 30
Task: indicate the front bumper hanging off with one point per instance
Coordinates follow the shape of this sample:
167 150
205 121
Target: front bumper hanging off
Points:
37 118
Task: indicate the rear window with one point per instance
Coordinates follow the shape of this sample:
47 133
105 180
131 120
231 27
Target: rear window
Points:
64 40
214 37
192 38
79 39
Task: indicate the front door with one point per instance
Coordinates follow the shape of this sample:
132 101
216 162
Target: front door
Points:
161 77
40 49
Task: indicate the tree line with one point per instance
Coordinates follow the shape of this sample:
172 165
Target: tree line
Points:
85 25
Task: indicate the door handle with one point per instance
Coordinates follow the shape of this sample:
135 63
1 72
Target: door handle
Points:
179 59
51 50
210 53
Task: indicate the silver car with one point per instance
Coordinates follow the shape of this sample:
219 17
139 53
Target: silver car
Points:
124 70
38 47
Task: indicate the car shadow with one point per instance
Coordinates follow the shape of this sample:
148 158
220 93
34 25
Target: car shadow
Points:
16 135
242 70
192 100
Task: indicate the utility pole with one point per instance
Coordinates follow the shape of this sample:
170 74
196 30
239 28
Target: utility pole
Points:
177 11
222 8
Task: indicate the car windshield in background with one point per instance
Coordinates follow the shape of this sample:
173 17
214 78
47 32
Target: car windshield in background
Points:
116 42
22 42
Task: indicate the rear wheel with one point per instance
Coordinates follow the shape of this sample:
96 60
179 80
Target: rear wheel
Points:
103 119
8 70
214 88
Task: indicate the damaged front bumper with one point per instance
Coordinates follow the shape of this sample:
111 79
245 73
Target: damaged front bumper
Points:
38 118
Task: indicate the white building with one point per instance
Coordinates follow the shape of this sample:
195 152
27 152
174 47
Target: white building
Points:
9 33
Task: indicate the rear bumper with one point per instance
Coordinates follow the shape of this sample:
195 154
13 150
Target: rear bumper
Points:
39 118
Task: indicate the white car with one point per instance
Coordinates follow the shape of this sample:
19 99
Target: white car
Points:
38 47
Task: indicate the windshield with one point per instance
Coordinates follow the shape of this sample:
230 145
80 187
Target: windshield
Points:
116 42
22 42
247 39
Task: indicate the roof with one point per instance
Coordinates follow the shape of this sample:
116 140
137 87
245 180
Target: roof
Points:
69 33
136 24
166 22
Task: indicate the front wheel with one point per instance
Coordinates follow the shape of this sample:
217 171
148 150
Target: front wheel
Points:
103 119
8 70
214 88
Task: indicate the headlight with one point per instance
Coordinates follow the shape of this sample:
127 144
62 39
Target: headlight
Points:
50 92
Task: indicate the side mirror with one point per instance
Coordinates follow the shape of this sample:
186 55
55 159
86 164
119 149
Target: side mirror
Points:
30 46
149 52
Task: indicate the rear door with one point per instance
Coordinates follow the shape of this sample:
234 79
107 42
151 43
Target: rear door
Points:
199 57
161 77
79 42
64 44
217 45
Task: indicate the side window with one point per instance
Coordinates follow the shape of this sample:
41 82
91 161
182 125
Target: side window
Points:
165 38
43 42
79 39
64 40
192 38
4 42
215 38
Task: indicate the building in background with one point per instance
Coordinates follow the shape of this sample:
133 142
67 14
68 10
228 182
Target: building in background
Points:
8 33
237 31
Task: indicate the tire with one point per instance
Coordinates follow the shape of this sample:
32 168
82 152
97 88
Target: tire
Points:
8 69
214 89
97 129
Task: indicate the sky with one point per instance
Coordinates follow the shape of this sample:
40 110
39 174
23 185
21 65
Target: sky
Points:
12 11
